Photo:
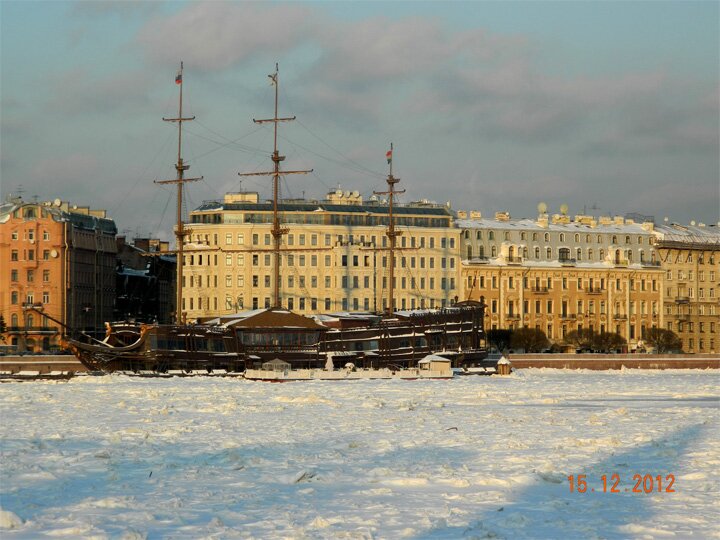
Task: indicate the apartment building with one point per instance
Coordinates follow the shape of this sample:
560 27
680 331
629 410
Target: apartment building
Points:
690 258
334 255
60 260
560 274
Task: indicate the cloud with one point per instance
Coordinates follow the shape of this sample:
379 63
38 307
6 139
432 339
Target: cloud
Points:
79 91
218 35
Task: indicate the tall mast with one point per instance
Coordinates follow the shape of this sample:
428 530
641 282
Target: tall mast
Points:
391 233
277 231
180 167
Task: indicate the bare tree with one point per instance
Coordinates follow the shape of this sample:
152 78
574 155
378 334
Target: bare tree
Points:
580 339
608 341
529 339
663 340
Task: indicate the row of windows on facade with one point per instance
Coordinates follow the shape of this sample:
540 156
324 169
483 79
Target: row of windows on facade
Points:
682 275
366 261
346 282
563 254
29 275
690 292
701 342
312 303
29 297
687 310
565 329
349 239
29 321
546 284
683 257
562 237
28 255
29 234
690 327
511 308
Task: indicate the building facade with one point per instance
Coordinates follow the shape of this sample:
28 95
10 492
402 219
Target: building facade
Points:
690 257
145 280
334 258
559 274
59 260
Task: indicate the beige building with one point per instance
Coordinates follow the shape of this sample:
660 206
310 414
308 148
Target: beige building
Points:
335 255
690 258
60 260
560 274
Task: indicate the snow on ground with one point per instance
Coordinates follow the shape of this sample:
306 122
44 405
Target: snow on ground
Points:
474 457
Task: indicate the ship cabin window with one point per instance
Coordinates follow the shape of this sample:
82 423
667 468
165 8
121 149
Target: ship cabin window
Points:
211 344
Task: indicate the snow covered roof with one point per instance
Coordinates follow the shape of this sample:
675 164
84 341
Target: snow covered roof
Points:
527 224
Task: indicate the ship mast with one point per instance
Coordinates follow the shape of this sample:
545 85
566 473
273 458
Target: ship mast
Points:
391 233
277 231
180 231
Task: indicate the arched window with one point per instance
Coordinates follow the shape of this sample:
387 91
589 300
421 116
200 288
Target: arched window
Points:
564 254
537 252
640 240
627 239
548 253
14 319
629 255
587 238
562 237
578 254
590 254
507 235
614 239
491 235
469 252
599 239
547 237
30 320
534 237
481 252
525 252
602 255
577 237
522 236
493 251
642 256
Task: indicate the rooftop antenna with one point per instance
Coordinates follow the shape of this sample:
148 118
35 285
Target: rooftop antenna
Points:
391 233
180 180
277 231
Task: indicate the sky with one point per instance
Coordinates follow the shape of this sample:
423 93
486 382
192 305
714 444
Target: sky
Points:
608 107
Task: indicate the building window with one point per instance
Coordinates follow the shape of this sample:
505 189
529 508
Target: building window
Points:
46 297
14 297
14 255
13 275
46 276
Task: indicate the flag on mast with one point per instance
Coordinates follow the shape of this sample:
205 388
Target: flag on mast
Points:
388 155
178 77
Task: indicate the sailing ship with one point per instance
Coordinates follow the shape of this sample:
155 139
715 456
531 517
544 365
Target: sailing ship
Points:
258 342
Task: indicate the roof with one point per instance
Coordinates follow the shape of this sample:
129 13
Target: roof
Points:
274 318
322 206
527 224
689 234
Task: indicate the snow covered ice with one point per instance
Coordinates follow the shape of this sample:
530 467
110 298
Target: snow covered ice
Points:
474 457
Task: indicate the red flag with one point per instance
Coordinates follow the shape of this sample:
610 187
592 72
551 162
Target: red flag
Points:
388 155
178 78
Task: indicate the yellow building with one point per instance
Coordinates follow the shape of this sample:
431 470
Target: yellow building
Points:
559 274
335 255
690 258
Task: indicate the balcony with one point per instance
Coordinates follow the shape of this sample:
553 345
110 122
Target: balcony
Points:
540 290
682 299
650 263
620 262
567 316
620 317
594 290
566 261
478 260
513 260
512 316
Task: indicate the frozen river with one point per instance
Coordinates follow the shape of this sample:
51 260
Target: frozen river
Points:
474 457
